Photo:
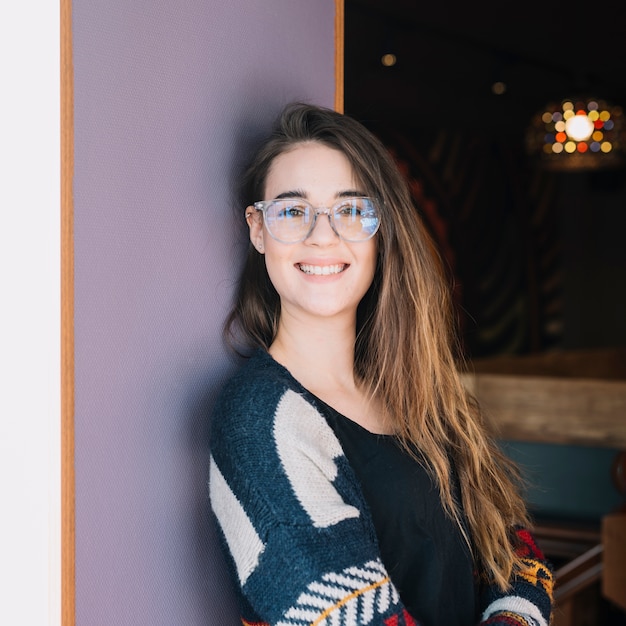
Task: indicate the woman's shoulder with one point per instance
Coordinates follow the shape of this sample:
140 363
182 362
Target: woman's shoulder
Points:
249 397
259 377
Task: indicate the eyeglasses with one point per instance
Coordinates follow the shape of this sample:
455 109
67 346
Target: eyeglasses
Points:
292 220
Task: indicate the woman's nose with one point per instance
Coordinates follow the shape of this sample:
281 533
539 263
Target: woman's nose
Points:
322 233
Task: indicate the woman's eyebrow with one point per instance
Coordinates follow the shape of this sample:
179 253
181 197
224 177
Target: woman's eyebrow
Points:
296 193
350 193
299 193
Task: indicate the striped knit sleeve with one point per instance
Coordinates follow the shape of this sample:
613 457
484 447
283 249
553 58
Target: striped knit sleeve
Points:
291 519
529 601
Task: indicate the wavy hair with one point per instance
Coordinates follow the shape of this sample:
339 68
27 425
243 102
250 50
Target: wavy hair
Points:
406 352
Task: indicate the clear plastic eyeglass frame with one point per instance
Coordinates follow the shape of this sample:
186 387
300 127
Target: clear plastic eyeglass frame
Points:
292 220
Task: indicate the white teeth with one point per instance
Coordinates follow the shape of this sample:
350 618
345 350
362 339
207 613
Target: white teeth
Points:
322 270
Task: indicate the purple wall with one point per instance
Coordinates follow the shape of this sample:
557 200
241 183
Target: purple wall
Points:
167 96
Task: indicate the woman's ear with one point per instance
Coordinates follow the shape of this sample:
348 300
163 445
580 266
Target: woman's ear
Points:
254 219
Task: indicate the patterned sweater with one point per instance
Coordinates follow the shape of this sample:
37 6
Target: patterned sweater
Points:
295 527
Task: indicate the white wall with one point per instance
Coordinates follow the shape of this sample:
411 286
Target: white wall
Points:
30 314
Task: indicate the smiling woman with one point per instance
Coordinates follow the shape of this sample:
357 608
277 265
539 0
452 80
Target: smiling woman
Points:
321 272
354 483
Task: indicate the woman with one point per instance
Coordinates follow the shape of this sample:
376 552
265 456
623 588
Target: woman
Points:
351 476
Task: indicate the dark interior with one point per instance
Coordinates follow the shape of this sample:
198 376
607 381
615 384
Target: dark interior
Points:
536 255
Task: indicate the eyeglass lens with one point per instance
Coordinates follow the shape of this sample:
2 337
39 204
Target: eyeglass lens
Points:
354 219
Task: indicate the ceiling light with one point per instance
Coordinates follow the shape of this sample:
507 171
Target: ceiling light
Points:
498 88
578 134
388 60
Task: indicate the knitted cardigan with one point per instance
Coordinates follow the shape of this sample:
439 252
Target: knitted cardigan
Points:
295 527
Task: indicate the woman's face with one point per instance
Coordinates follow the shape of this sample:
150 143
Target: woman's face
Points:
322 276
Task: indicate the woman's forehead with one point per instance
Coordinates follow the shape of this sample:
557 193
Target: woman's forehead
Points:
311 170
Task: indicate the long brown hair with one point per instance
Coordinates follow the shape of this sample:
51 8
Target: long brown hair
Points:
406 351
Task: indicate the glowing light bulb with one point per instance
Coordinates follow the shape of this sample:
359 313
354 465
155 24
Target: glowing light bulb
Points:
579 127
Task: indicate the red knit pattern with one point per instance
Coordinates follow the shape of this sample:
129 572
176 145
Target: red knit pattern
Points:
394 620
527 547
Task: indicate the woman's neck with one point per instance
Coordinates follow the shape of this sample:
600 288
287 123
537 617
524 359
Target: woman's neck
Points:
320 356
317 354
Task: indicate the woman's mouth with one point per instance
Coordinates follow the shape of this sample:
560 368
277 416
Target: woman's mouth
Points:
322 270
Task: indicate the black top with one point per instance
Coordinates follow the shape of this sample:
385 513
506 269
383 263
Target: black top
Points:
422 548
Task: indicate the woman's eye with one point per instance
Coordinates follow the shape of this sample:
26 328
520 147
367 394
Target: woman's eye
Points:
348 209
293 211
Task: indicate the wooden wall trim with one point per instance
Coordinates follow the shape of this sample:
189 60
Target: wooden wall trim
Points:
339 54
544 409
68 567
